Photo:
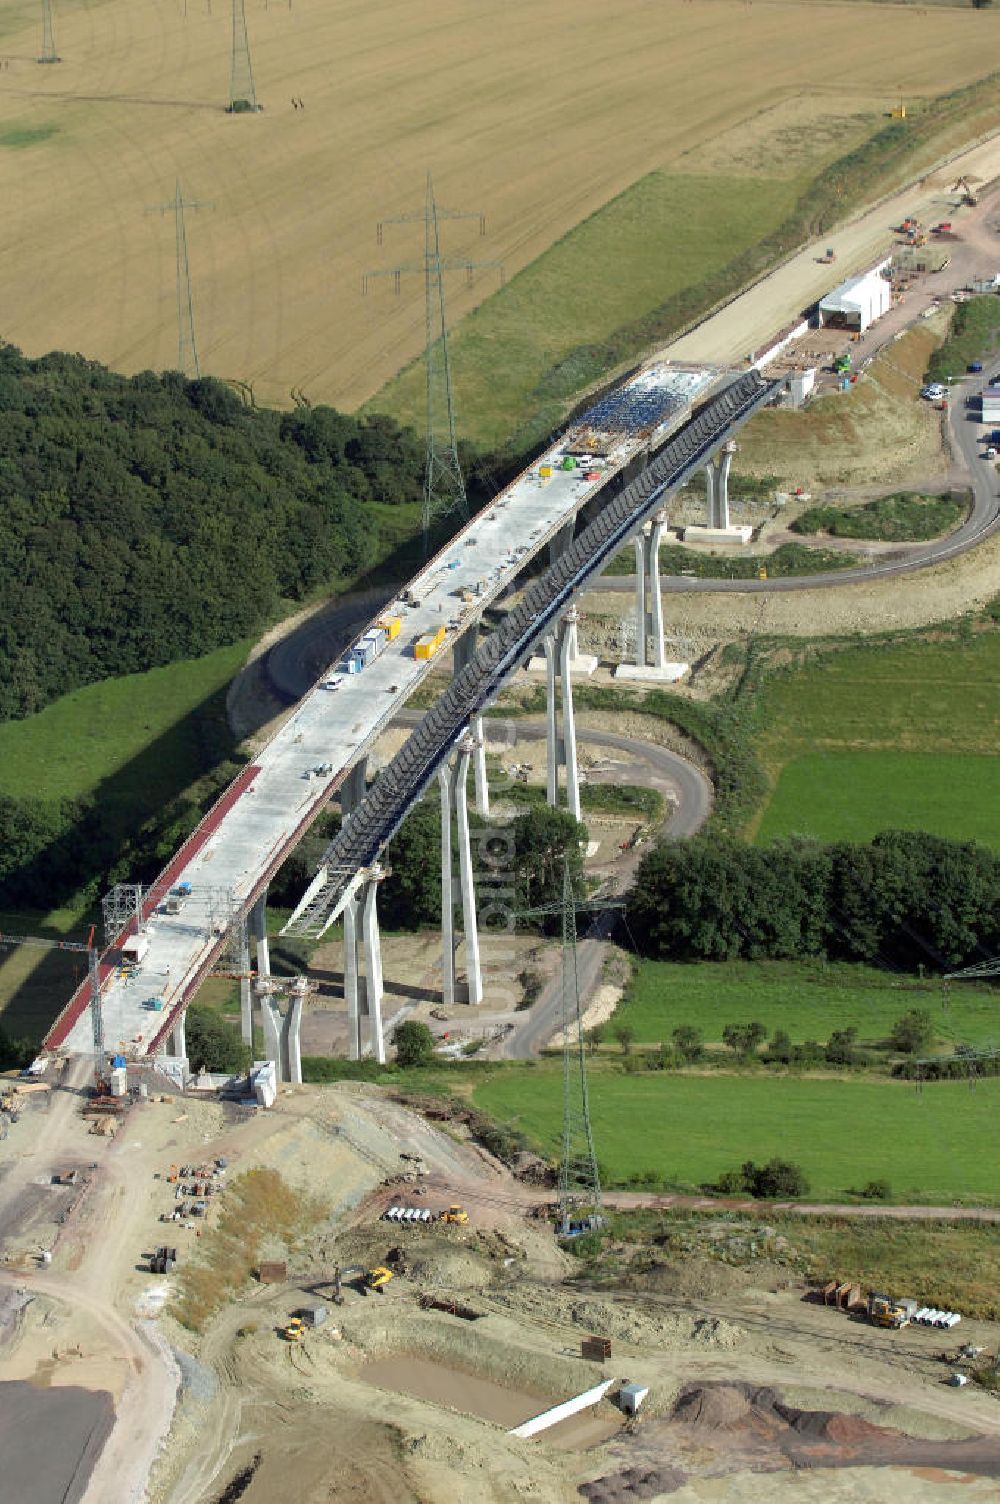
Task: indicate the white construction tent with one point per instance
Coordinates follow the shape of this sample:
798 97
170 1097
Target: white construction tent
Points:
859 301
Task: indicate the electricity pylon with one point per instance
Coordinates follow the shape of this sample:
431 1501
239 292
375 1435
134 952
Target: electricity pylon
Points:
579 1177
49 54
242 95
187 349
444 484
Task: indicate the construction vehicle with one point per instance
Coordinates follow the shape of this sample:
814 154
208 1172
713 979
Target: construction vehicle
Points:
886 1312
965 188
295 1330
377 1279
456 1214
828 257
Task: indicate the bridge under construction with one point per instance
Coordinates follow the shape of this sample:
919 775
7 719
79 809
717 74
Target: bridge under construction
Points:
605 482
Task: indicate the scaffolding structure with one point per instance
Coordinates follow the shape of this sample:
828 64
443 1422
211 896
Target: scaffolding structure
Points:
120 907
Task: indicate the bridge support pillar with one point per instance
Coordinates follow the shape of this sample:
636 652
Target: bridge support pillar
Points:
648 599
560 651
281 1033
178 1038
465 649
453 779
364 991
717 474
254 924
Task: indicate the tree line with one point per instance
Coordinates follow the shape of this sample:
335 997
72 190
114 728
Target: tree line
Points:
149 518
903 900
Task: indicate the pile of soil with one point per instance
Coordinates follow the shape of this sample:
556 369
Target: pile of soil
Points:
718 1428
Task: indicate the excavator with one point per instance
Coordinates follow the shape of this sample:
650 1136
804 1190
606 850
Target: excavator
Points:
366 1279
295 1330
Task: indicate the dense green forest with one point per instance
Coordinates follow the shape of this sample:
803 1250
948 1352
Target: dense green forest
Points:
902 901
147 519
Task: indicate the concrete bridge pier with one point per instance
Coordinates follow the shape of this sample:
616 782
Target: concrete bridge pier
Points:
453 779
178 1038
648 597
281 1031
363 991
253 924
465 648
717 473
560 653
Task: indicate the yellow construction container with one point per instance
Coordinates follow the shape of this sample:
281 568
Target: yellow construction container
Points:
545 472
392 625
427 646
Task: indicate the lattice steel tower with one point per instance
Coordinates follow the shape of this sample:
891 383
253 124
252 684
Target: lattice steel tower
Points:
444 484
242 95
49 54
579 1178
187 349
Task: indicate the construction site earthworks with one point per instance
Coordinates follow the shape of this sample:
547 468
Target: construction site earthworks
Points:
346 1297
376 1283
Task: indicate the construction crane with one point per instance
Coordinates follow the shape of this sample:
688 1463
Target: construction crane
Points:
89 949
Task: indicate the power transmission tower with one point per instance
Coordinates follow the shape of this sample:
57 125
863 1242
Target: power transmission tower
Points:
49 54
242 95
579 1177
444 484
187 349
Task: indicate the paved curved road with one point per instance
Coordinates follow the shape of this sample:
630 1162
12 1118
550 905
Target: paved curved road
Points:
983 519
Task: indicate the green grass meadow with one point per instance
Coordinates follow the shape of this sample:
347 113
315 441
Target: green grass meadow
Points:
806 999
849 796
101 731
688 1129
531 344
885 736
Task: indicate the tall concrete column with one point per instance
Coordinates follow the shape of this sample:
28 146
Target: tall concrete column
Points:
178 1038
453 781
479 767
465 649
246 983
352 980
551 725
373 967
447 897
281 1030
473 970
560 654
271 1020
255 923
566 656
655 597
710 493
640 599
724 463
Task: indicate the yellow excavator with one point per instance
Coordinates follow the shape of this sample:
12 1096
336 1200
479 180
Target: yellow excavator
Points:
456 1214
295 1330
377 1279
366 1279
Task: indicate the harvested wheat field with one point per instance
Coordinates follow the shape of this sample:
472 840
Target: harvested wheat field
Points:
536 114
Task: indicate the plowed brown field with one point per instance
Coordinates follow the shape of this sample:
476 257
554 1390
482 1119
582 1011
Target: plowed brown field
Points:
535 113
